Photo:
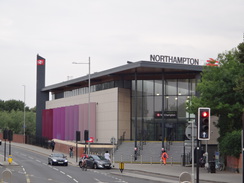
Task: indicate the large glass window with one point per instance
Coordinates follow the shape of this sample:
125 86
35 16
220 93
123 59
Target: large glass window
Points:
158 87
171 87
151 102
171 103
183 87
148 87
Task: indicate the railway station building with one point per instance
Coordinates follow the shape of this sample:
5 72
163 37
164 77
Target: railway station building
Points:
137 101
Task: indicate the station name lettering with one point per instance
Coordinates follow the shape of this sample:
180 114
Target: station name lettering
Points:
173 59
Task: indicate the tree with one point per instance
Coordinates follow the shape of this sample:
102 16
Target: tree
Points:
231 144
220 90
15 105
12 117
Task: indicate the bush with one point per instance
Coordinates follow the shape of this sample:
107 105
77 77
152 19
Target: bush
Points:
230 144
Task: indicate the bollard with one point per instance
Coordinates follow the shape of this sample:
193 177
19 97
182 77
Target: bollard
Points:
141 158
151 160
185 177
131 158
171 160
6 176
121 166
10 159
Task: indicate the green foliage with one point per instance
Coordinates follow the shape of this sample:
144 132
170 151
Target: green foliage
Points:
12 117
220 91
231 144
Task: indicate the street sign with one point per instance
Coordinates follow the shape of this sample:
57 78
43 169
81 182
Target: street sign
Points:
188 131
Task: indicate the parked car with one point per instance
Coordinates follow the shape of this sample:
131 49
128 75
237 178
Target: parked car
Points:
96 161
57 159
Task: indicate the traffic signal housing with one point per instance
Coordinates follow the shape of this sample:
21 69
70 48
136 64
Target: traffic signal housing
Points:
203 123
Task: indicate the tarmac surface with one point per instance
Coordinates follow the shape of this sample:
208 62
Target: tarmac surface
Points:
149 170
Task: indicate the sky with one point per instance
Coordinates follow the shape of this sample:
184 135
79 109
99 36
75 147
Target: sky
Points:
110 32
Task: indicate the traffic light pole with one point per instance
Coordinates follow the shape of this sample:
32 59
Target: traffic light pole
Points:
197 159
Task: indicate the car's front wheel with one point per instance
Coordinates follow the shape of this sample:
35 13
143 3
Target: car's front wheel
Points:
95 166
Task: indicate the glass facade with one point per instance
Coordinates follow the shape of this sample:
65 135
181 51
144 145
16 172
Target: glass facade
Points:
159 108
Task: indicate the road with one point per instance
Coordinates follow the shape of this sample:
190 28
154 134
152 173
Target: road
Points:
33 168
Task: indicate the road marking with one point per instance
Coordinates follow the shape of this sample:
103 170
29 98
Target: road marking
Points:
38 161
27 178
69 176
62 172
56 169
75 180
99 181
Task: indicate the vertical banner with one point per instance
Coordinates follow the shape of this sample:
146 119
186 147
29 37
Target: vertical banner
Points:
41 97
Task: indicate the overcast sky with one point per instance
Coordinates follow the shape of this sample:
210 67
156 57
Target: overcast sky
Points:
111 32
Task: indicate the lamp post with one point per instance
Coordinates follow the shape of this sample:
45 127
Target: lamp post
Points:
24 113
89 92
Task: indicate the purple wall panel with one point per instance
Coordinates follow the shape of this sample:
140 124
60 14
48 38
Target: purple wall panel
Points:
76 120
66 123
83 119
72 122
47 123
62 123
58 123
55 123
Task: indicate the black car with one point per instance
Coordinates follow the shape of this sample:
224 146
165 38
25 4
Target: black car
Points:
57 159
96 161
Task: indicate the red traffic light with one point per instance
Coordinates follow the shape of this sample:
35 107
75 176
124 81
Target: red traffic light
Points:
205 114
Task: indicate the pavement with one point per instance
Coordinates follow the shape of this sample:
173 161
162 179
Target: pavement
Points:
147 171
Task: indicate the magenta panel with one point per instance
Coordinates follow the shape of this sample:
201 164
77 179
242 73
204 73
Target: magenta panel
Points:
76 120
47 123
67 123
83 119
58 123
62 123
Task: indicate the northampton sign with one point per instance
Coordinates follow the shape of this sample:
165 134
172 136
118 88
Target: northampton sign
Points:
174 60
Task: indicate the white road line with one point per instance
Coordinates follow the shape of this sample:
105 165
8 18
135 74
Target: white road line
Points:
56 169
38 161
99 181
69 176
75 180
62 172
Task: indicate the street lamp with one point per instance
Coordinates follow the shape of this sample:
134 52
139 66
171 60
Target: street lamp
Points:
24 113
89 92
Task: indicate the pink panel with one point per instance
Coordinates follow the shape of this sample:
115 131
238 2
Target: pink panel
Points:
62 123
58 123
47 123
83 119
76 120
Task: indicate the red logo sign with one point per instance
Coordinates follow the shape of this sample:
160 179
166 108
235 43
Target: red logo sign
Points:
91 139
41 62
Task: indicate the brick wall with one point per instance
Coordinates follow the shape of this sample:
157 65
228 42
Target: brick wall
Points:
233 163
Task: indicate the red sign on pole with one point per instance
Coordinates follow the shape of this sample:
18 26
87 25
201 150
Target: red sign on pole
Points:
41 62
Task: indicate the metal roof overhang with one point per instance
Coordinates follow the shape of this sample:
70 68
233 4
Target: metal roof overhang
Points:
127 71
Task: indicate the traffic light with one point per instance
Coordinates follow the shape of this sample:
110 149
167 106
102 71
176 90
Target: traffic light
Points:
86 135
203 123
